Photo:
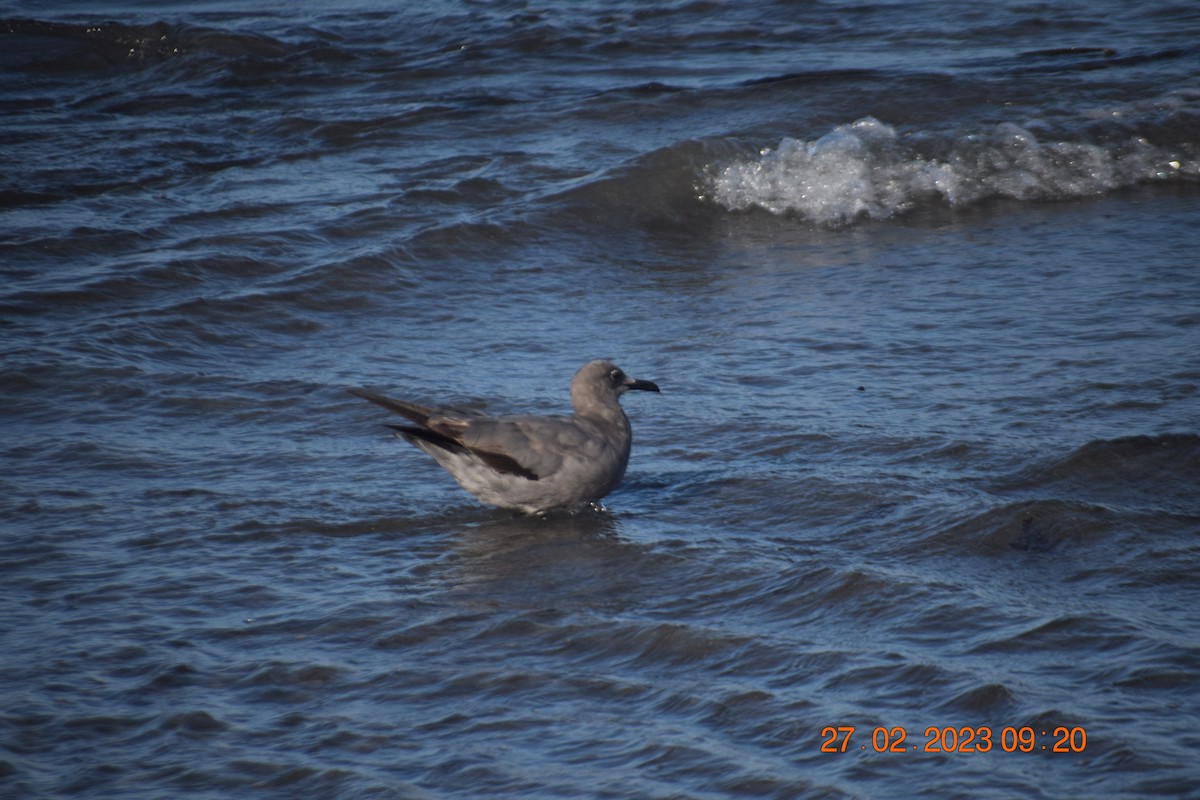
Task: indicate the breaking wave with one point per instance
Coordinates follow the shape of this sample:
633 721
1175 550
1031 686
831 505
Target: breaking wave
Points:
867 170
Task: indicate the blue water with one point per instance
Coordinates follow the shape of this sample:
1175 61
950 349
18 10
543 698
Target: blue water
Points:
919 284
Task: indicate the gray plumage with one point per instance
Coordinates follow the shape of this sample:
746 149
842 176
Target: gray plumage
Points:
531 463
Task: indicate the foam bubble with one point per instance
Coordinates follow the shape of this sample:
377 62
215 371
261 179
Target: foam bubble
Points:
866 169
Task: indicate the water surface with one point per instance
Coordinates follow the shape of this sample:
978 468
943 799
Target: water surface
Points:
918 282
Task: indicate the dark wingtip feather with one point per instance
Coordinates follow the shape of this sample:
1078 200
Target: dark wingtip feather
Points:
412 411
433 437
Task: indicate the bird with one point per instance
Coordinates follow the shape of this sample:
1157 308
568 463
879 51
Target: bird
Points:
531 464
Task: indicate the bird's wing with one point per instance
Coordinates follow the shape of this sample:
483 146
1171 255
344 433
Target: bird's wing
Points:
530 447
498 461
537 444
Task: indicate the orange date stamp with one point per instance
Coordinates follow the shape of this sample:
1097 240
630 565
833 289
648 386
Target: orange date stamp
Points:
950 739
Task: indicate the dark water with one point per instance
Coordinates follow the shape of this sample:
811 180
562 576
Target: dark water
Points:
920 284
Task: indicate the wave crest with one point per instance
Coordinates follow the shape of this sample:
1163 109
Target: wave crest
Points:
867 170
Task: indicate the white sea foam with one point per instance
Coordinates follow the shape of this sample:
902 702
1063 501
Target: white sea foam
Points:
867 169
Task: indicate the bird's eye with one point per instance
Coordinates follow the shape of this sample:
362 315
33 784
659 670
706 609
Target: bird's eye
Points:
617 376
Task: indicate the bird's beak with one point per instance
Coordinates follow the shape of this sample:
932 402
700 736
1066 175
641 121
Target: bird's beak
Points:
645 386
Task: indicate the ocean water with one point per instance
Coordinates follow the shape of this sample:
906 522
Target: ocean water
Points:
919 281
